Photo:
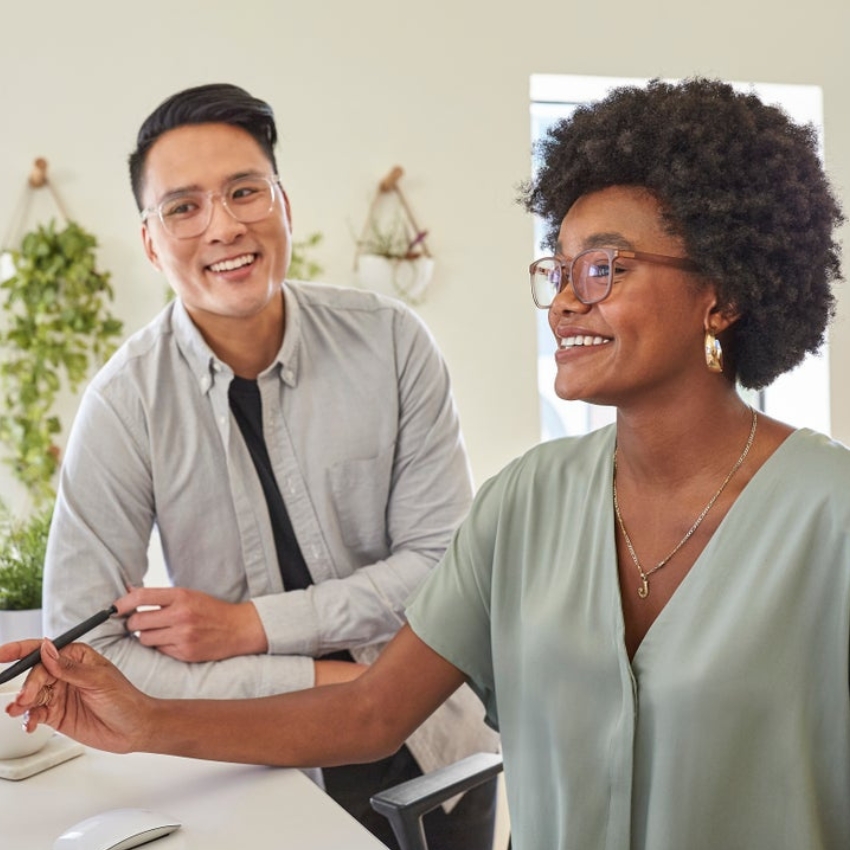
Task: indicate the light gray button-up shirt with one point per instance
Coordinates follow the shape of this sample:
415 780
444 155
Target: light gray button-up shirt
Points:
365 444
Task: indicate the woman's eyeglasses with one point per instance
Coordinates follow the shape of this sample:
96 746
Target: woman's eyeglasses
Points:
591 273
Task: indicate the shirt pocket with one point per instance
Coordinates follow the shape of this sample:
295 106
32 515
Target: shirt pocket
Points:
361 491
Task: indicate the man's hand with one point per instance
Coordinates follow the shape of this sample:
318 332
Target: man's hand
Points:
192 626
80 694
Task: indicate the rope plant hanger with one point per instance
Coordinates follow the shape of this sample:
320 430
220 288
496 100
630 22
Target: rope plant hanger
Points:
37 179
392 247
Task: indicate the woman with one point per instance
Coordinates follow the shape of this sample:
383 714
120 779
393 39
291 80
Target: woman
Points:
656 615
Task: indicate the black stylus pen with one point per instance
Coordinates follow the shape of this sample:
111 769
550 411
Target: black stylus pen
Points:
63 640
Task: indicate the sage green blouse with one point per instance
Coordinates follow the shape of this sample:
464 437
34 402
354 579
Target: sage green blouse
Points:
731 726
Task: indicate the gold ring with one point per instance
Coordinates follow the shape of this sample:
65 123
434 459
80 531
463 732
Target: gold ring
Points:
48 696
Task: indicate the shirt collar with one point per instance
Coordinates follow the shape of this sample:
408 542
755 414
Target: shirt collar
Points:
206 366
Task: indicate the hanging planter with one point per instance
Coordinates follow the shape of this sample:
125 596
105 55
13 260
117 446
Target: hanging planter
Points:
404 277
392 256
57 325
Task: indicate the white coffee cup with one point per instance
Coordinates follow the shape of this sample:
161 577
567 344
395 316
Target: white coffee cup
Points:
14 741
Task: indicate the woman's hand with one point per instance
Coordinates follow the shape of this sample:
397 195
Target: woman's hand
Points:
82 695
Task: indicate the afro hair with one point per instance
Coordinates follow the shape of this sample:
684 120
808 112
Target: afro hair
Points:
738 181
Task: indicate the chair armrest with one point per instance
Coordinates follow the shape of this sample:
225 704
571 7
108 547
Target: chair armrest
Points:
405 804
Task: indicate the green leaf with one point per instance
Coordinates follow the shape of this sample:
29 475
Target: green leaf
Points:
58 329
24 543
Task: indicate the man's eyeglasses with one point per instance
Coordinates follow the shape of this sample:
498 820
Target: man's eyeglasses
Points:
592 273
188 214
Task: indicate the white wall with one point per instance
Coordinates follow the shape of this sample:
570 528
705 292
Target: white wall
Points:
439 88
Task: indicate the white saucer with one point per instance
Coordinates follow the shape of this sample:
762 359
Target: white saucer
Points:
57 749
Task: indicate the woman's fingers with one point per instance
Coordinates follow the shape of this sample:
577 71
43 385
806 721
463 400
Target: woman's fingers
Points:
17 649
83 695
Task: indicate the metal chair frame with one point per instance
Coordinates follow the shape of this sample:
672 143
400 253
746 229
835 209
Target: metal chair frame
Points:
405 804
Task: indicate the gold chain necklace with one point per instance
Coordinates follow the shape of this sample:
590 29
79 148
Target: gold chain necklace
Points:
643 590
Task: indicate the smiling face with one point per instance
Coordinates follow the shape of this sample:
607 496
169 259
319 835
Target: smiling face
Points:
645 340
231 274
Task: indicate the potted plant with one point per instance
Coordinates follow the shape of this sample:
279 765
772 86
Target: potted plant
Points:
21 573
391 253
393 258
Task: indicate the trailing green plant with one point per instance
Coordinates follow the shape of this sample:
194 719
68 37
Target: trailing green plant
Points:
57 326
302 266
22 559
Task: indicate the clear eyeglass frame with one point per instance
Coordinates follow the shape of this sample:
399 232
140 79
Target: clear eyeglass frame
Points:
590 273
186 215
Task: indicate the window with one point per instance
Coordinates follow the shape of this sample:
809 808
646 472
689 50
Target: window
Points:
800 397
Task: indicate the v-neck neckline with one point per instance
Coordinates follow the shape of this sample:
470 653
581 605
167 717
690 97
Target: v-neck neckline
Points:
695 575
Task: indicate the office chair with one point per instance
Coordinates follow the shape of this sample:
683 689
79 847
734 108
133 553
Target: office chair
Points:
405 804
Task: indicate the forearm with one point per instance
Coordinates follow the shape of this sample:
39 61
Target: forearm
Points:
319 727
362 609
233 678
357 721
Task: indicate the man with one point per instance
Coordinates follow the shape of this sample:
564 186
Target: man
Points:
296 446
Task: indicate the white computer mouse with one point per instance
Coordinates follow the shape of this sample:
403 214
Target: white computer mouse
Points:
116 829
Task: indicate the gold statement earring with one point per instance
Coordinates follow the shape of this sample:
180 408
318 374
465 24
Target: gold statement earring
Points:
713 352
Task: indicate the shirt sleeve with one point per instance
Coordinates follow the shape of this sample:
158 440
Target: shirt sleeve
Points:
452 612
430 493
98 545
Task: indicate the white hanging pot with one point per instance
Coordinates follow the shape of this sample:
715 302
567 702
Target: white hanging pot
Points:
402 278
7 266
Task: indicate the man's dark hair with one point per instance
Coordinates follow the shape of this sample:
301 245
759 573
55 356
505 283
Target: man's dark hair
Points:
737 180
216 103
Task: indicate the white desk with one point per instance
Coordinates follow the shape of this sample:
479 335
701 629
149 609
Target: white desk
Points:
221 806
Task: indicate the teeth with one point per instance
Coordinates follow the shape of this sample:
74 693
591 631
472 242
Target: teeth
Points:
570 341
235 263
